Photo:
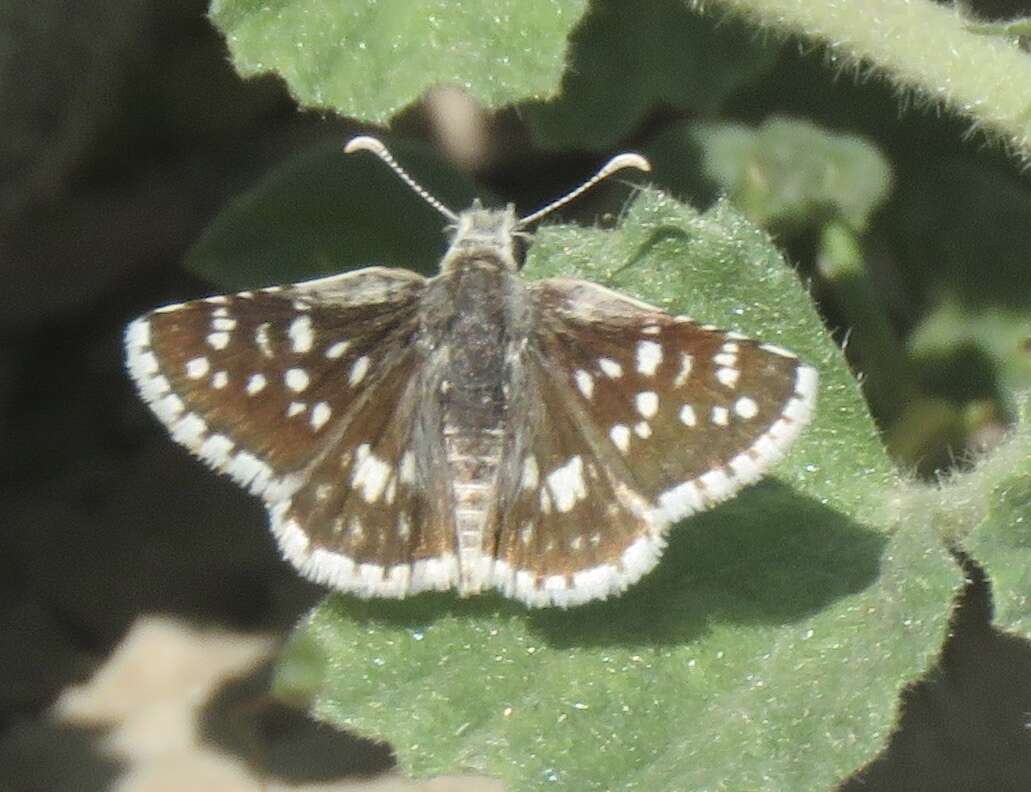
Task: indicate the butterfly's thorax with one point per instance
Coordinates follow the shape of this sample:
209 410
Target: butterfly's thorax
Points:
474 328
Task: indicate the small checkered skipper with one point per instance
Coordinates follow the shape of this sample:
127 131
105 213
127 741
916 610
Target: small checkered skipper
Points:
471 430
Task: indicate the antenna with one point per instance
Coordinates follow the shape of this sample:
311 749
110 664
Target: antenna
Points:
366 143
617 163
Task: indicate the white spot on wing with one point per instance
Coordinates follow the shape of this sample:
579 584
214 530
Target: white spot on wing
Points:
746 407
687 415
262 340
218 340
649 357
620 435
728 376
296 379
358 370
567 484
337 350
686 361
320 413
256 384
370 474
643 429
197 367
585 382
610 368
531 473
647 403
301 336
219 380
295 408
720 416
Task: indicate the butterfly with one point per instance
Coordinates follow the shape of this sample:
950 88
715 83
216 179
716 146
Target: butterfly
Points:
471 430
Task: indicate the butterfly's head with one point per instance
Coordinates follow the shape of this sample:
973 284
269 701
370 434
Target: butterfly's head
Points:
483 234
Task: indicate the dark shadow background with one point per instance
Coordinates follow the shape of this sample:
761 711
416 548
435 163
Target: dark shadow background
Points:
123 131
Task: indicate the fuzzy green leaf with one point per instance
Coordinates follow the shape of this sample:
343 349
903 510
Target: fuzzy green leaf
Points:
919 45
785 174
1002 541
965 230
790 616
322 212
626 60
370 58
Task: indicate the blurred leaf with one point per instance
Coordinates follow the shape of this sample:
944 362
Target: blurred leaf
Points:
786 174
1015 28
964 229
370 58
964 232
998 491
950 331
323 211
627 59
790 616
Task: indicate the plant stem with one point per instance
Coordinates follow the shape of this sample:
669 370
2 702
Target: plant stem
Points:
921 46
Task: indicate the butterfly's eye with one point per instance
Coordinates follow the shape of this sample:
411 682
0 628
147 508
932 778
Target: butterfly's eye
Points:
521 241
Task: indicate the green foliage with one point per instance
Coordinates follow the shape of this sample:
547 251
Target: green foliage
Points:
691 680
785 174
322 212
966 238
924 47
1001 490
625 61
370 58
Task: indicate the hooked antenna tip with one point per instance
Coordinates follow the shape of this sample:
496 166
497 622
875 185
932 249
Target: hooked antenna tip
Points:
365 143
628 160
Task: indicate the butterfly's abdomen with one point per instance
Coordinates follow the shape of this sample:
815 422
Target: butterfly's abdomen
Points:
472 338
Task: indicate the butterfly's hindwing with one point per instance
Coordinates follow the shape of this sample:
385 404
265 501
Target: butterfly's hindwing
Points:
571 529
377 518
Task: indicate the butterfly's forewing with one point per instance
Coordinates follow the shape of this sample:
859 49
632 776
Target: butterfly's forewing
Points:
674 416
268 386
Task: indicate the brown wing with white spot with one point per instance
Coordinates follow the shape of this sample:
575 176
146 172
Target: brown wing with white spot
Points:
682 416
571 528
375 509
269 386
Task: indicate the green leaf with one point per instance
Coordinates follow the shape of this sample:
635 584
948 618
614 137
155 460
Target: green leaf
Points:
628 58
790 616
950 331
964 230
370 58
1000 489
785 174
323 211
